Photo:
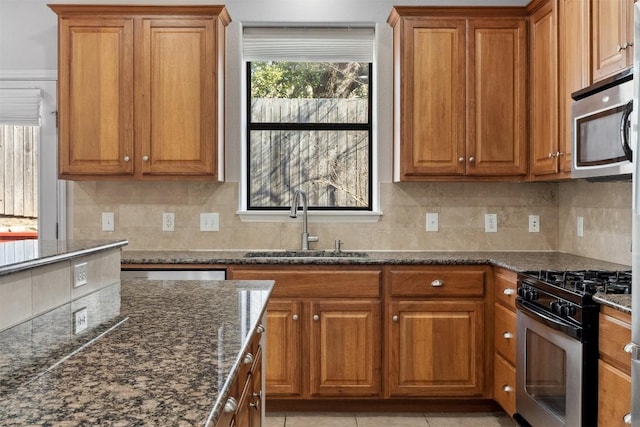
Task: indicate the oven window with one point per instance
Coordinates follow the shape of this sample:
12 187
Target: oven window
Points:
546 375
599 141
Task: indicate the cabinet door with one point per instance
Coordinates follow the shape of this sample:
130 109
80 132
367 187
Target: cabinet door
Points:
177 97
614 395
612 44
497 112
345 350
544 89
283 348
433 97
574 61
95 100
435 348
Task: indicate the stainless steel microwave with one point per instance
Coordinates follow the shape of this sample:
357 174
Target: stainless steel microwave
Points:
603 143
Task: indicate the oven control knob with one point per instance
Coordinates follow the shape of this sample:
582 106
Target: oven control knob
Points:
555 306
567 310
531 294
521 292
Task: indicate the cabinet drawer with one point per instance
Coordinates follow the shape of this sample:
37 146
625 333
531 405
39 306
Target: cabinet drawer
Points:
316 283
504 384
250 357
615 333
505 333
614 395
433 281
505 285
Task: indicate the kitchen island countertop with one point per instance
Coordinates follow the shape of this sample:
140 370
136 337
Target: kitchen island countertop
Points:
170 361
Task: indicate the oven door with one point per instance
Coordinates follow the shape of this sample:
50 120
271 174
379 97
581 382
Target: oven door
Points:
548 370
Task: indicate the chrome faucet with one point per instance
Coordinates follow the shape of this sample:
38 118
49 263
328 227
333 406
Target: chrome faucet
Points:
306 238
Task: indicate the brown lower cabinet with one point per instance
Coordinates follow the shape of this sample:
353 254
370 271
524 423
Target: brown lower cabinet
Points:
323 335
614 368
504 337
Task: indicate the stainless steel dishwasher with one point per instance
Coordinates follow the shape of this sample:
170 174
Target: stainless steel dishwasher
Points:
174 274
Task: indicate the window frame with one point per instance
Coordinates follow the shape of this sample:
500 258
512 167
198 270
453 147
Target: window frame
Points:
274 126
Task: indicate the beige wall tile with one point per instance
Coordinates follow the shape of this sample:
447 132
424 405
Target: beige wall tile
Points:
51 286
15 298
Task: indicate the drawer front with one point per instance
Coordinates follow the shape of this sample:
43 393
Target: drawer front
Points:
250 357
614 395
434 282
505 333
504 384
505 285
311 283
614 335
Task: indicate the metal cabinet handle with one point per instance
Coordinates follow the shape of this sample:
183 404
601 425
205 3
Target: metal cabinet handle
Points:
316 317
258 396
619 48
437 283
509 291
145 158
507 335
559 154
248 359
461 160
507 388
295 317
231 405
472 159
627 418
126 158
260 329
395 318
551 155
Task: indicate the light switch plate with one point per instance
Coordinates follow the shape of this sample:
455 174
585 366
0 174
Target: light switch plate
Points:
108 221
209 221
432 221
491 223
580 226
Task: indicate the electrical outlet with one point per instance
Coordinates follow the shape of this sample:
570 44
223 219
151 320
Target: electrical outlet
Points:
534 223
80 320
108 221
580 226
491 223
432 221
79 274
168 221
209 222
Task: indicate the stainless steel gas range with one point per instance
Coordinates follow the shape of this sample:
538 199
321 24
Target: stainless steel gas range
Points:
557 348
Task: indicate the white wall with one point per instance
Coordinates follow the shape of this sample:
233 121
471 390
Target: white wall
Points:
28 41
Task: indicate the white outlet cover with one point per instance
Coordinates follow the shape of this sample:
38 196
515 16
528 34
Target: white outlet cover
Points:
80 320
168 221
80 274
209 221
580 226
534 223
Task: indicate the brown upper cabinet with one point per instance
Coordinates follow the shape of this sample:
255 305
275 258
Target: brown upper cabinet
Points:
460 107
140 91
612 41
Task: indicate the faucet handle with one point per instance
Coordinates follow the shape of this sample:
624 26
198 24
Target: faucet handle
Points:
312 238
338 245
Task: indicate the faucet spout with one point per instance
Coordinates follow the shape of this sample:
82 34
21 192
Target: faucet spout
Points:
305 238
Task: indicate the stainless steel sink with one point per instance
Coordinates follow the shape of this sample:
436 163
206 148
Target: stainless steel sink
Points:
306 254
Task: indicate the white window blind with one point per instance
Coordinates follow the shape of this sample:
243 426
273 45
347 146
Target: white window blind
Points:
20 106
309 44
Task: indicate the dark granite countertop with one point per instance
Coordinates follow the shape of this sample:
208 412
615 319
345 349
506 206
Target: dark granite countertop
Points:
167 357
512 260
21 255
517 261
619 302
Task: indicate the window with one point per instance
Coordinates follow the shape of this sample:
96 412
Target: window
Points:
309 117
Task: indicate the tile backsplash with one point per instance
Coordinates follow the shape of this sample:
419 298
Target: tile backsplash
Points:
138 208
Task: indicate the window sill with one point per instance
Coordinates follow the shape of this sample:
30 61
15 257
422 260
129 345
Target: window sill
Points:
313 216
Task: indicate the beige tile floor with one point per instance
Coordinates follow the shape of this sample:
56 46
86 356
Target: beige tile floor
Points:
388 420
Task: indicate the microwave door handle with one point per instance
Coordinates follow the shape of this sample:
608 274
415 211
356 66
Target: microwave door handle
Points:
625 129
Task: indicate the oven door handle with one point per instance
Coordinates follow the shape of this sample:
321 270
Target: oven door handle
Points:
554 323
